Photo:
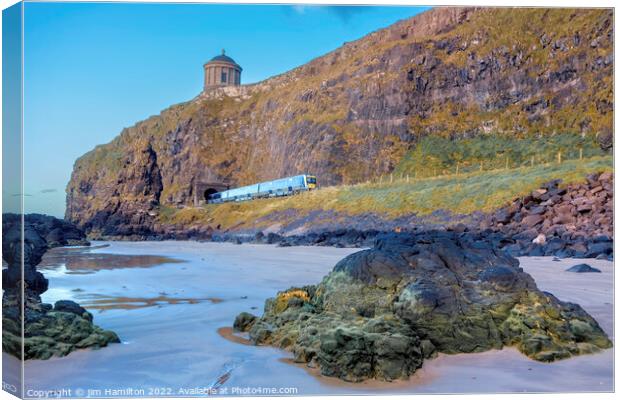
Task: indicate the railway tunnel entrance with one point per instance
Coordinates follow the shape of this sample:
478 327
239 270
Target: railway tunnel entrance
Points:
203 190
209 192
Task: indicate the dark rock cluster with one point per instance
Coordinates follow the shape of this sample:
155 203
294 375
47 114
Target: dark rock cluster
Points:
573 221
382 311
56 232
47 330
336 238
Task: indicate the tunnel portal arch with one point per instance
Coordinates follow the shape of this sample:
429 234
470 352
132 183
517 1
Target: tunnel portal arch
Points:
203 190
209 192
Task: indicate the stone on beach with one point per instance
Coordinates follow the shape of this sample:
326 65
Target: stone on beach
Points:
47 331
582 268
382 311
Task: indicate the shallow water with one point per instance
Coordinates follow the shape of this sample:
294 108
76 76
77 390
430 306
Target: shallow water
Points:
169 317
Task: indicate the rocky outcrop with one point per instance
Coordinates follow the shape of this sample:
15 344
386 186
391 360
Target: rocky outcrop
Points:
47 330
564 221
352 114
381 312
55 231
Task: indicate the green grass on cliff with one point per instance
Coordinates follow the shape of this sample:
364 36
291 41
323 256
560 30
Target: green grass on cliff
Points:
461 194
436 155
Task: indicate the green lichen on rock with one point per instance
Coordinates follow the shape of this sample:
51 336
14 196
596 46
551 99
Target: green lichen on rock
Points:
382 311
50 331
43 330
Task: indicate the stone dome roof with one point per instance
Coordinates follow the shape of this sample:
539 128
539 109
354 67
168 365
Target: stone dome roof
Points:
224 58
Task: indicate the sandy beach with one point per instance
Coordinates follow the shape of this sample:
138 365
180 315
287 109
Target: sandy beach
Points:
172 318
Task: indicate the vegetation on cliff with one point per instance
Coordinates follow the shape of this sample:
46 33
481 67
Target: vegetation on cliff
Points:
365 109
459 194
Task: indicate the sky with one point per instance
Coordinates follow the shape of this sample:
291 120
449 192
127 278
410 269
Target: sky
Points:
91 69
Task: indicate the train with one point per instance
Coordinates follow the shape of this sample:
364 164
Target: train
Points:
276 188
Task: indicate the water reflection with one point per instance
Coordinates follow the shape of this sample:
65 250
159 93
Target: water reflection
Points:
102 302
82 260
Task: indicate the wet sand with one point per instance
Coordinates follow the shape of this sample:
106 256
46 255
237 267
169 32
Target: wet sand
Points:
235 337
180 344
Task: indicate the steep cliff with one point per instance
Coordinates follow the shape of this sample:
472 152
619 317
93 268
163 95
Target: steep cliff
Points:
356 112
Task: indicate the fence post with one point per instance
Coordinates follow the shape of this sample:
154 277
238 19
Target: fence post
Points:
407 178
391 178
581 153
559 157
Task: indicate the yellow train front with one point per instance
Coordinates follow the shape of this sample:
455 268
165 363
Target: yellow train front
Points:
276 188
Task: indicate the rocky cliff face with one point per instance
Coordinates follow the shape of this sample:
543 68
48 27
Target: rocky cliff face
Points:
353 113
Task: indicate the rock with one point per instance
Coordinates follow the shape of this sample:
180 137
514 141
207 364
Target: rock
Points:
594 249
56 232
259 237
47 331
537 210
554 245
382 311
532 220
605 176
503 216
70 307
582 268
540 239
34 246
244 321
584 208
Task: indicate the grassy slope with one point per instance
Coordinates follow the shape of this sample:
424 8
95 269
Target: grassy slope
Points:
462 194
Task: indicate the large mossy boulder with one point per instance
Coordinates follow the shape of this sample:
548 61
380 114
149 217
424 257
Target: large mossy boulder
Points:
47 330
56 331
382 311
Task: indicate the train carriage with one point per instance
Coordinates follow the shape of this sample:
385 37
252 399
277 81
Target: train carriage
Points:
278 187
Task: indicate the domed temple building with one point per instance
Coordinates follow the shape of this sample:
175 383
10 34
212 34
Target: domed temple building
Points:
221 71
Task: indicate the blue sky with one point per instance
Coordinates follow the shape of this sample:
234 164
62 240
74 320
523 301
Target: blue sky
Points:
92 69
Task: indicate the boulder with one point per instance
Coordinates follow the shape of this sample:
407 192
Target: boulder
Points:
47 331
382 311
540 239
582 268
243 322
532 220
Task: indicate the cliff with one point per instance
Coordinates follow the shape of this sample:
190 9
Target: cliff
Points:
359 111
